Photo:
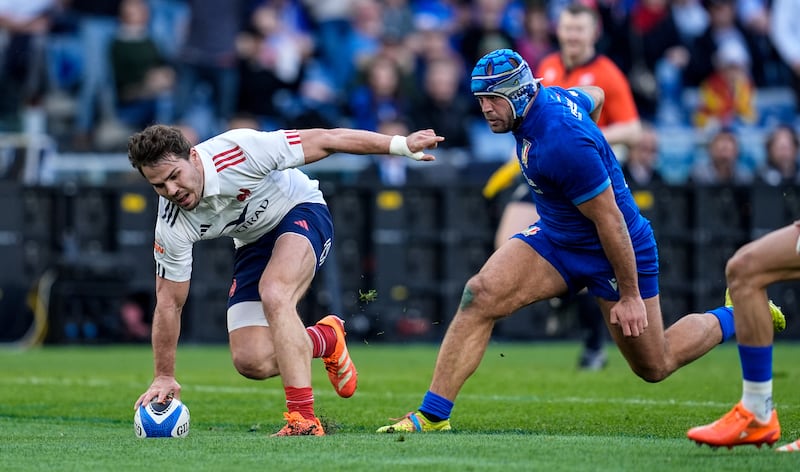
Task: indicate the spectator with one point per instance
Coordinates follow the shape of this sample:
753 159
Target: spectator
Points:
653 41
22 62
208 62
537 39
366 35
578 63
754 20
319 102
727 96
723 166
169 21
485 32
641 167
723 27
441 105
273 56
785 35
332 23
781 165
379 98
97 25
143 80
431 40
398 19
690 20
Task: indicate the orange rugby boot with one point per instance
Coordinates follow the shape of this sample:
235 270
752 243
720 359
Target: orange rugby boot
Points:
341 371
297 425
738 427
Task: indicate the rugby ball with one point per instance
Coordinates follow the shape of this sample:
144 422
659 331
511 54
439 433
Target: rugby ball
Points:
161 420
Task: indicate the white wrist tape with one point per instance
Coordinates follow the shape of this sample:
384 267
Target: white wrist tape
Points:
399 147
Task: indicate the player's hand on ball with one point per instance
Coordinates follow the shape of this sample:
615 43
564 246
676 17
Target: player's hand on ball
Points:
163 388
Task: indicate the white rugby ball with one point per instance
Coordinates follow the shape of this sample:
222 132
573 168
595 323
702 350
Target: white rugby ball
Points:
162 420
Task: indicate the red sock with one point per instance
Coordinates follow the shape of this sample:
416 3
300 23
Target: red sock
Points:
301 400
323 338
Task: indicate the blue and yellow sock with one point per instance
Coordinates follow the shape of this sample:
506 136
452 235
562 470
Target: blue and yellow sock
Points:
435 408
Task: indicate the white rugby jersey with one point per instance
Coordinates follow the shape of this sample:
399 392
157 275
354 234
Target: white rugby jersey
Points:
250 185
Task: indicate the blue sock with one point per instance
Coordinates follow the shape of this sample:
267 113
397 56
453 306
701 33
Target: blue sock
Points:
725 316
756 363
435 408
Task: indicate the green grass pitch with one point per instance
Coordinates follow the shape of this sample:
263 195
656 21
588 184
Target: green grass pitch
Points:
526 408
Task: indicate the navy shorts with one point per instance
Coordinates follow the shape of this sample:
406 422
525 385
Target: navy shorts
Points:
312 220
591 269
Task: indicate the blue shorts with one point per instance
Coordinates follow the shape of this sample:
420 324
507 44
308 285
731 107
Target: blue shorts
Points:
312 220
591 269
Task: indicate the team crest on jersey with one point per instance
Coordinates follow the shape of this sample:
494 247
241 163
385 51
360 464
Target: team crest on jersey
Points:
526 147
531 231
244 194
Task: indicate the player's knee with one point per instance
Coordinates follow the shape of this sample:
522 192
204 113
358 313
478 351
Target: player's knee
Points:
738 268
479 293
253 368
651 373
273 297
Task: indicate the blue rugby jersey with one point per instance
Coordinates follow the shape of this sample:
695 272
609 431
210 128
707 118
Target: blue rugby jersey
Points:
566 161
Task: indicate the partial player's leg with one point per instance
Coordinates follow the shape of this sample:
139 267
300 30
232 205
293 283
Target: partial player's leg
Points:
755 266
252 348
749 272
513 277
657 353
285 280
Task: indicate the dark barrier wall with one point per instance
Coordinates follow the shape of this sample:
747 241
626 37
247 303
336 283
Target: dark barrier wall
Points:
396 273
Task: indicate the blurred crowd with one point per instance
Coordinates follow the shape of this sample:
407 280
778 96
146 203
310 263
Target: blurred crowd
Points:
91 71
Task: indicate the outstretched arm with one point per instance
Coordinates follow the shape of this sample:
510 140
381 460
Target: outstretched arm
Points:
170 298
321 143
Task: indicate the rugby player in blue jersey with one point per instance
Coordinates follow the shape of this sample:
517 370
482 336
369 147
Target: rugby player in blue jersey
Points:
590 234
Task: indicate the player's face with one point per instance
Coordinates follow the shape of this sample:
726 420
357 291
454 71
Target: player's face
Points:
576 35
178 180
497 112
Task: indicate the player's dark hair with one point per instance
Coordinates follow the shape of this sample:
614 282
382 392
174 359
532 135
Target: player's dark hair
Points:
579 8
156 143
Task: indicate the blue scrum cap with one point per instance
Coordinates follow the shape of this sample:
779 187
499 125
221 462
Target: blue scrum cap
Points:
504 73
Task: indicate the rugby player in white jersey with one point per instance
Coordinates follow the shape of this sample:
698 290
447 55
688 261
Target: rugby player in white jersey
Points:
244 184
